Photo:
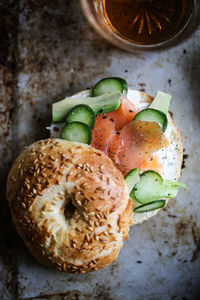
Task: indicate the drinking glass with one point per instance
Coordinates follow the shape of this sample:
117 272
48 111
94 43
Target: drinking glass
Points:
142 24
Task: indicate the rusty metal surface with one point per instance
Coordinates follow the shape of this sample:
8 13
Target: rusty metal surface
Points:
47 50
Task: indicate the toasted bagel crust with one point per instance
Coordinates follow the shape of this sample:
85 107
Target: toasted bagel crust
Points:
70 205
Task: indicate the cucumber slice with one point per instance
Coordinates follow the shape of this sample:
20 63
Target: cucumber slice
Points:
152 187
132 178
81 113
148 188
153 115
161 102
110 84
149 206
100 105
77 132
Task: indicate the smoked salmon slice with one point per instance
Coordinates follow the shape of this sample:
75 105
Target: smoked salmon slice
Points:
102 132
135 145
129 143
124 114
107 124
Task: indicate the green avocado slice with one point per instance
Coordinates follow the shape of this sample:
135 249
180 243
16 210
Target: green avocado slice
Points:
100 105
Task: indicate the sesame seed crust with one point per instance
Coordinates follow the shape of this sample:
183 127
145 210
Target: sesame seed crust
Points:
70 205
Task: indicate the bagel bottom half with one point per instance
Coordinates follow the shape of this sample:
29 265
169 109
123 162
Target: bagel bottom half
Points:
70 205
170 158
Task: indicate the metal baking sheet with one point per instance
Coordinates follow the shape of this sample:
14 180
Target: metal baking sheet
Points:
48 50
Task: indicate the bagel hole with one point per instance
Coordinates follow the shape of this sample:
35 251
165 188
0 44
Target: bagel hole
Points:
69 210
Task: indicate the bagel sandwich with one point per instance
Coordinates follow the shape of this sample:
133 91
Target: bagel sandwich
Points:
170 157
106 166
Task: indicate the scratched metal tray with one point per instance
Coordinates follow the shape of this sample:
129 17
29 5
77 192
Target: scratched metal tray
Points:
48 50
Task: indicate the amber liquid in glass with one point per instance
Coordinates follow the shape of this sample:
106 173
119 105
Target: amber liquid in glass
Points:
147 22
